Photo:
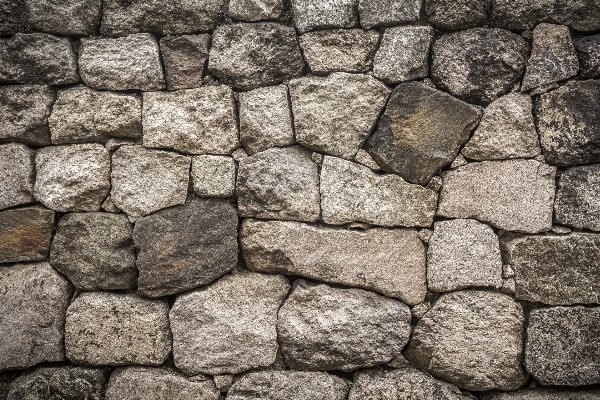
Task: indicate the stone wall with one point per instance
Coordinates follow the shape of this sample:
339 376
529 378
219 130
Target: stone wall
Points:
328 199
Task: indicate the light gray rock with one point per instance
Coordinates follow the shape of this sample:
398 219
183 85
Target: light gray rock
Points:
213 176
588 51
514 195
34 299
364 158
25 234
403 54
144 180
224 382
473 339
375 13
391 262
279 183
336 114
318 14
72 177
117 329
256 10
16 175
545 394
73 17
228 327
130 62
505 131
351 192
82 115
184 58
193 121
577 193
450 15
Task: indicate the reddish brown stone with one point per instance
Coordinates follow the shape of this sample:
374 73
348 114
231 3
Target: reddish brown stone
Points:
25 234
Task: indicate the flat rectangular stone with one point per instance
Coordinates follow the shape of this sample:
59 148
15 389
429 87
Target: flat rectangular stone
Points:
24 112
25 234
72 17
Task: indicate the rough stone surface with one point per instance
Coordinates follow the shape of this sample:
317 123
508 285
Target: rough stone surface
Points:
73 17
184 58
24 112
131 62
514 195
16 175
472 339
463 253
247 56
37 58
144 181
568 120
588 51
318 14
279 183
333 50
403 54
95 251
354 193
336 114
451 15
577 193
364 158
13 19
228 327
193 121
213 176
256 10
133 383
288 385
391 262
265 119
117 329
545 394
374 13
34 299
323 328
420 132
479 65
505 131
25 234
555 269
82 115
563 346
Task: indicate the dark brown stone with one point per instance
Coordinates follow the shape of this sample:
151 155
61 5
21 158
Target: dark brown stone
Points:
25 234
184 58
588 51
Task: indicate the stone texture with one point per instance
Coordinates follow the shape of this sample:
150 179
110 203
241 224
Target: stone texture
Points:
288 385
324 328
577 193
472 339
265 118
514 195
463 253
25 234
229 326
184 58
391 262
353 193
134 383
130 62
256 10
117 329
563 346
568 121
213 176
318 14
375 13
193 121
420 132
505 131
37 58
73 17
279 183
95 251
144 181
24 112
364 158
34 299
545 394
333 50
479 65
336 114
555 269
16 175
82 115
247 56
13 19
451 15
588 51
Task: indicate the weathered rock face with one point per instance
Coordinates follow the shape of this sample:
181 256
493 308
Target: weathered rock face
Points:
336 114
184 58
37 58
229 326
588 51
568 122
375 13
13 18
479 65
133 383
515 195
131 62
213 176
279 183
563 346
16 175
323 328
288 385
256 10
391 262
75 17
577 191
247 56
472 339
421 131
318 14
34 299
117 329
543 393
555 269
25 234
82 115
452 15
353 193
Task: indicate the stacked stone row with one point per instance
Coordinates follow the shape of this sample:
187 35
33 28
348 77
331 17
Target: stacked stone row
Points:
340 199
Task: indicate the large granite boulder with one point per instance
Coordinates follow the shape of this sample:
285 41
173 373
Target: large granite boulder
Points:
16 175
25 234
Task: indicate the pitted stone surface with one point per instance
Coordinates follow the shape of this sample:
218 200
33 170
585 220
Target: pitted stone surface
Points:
577 193
450 15
256 10
16 175
588 51
374 13
184 58
25 234
543 393
213 176
318 14
73 17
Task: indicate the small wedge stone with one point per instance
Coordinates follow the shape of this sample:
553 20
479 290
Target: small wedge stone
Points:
184 58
